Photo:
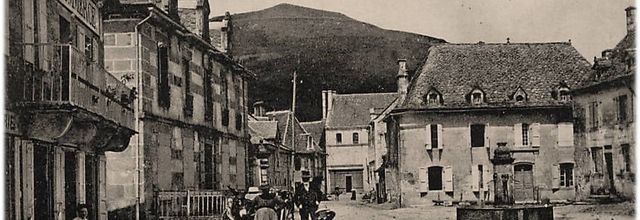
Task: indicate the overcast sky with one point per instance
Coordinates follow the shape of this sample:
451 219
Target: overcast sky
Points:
592 25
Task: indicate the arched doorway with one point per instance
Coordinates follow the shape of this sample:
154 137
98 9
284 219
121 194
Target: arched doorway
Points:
523 182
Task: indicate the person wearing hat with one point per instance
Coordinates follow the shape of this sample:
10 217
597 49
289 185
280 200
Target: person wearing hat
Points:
307 198
265 204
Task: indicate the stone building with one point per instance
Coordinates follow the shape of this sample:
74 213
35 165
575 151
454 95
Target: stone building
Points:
270 159
605 122
468 98
347 138
192 108
63 110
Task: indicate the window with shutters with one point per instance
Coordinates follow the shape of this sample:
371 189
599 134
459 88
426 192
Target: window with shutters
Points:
477 135
88 48
177 181
597 158
525 134
188 105
626 157
622 108
208 90
239 122
593 114
435 178
338 138
566 174
164 95
434 135
28 29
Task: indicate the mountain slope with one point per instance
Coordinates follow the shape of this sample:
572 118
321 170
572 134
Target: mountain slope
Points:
334 51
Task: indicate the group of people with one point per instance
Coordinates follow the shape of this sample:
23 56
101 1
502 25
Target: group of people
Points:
307 197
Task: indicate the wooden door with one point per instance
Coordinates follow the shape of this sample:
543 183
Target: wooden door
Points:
608 157
523 182
348 183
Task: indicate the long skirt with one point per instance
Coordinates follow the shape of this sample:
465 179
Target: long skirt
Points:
266 214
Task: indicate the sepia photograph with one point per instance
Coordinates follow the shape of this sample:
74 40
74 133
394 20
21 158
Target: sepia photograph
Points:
319 110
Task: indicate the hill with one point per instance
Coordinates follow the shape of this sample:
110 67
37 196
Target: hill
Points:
334 51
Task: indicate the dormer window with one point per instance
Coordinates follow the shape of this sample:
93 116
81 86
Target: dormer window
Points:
519 95
563 94
433 98
476 97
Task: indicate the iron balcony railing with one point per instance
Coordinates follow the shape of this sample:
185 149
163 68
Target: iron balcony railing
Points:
190 204
63 76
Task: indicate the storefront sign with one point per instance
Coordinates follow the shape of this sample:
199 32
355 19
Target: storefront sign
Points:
86 11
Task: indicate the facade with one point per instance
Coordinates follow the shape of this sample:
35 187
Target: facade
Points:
377 151
270 160
347 138
315 130
192 111
64 111
605 123
461 105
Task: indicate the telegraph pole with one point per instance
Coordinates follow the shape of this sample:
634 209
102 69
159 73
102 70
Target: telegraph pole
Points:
293 118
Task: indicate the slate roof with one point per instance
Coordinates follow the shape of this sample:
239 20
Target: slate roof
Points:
315 128
352 110
283 119
498 69
265 129
615 66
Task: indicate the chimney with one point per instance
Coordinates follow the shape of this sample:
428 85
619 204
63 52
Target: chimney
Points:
225 33
324 104
329 102
172 10
258 109
631 16
402 78
372 113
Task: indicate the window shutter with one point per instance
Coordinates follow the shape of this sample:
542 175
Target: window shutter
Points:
517 135
447 175
440 137
58 167
28 32
555 172
475 178
424 182
487 177
428 137
42 34
80 184
535 135
27 184
565 134
102 190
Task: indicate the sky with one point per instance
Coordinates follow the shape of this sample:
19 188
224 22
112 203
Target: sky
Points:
591 25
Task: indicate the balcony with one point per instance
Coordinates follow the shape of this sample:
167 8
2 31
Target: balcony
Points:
67 88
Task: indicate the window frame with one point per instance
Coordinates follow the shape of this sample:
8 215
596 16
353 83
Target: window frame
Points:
565 179
355 137
480 98
622 105
435 169
338 138
471 134
525 135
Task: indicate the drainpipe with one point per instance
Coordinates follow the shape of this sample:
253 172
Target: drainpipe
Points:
138 109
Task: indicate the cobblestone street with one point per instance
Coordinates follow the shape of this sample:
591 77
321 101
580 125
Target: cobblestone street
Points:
352 210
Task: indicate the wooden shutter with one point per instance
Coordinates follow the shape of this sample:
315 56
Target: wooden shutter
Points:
423 179
447 175
27 178
475 178
487 177
427 137
102 187
555 172
17 177
28 29
535 135
517 135
80 177
565 134
58 168
42 34
440 137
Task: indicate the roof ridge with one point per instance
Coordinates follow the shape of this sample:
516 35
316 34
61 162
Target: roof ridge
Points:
510 43
310 122
368 93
